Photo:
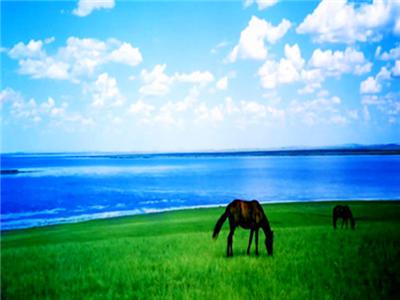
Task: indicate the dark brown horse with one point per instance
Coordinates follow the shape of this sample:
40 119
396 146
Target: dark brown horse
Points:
248 215
343 212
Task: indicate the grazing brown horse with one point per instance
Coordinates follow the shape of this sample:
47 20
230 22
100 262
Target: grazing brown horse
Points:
248 215
343 212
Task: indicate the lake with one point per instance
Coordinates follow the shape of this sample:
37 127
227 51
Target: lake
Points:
50 189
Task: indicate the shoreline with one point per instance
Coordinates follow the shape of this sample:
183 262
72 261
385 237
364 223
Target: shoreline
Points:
43 223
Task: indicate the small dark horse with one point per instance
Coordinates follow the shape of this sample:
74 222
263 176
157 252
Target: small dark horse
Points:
248 215
344 212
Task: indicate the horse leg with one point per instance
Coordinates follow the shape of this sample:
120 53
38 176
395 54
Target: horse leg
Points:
250 239
257 242
229 251
342 222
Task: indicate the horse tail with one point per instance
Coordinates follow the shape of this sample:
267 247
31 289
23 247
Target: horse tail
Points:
220 222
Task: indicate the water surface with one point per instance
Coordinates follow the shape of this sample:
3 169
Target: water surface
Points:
60 188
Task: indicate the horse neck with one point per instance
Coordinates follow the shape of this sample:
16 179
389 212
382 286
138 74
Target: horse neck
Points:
265 226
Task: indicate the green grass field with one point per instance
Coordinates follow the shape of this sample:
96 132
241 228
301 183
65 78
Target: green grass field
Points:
172 256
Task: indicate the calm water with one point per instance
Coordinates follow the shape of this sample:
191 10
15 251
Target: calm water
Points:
62 188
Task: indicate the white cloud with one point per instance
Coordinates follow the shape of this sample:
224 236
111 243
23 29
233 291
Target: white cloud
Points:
47 67
287 70
49 40
315 111
35 112
396 68
157 83
323 63
126 54
197 77
219 46
374 85
338 120
339 62
105 92
83 55
370 86
342 22
140 107
9 95
188 102
217 114
85 7
79 57
222 84
393 54
241 114
31 111
32 49
313 79
166 116
383 74
387 104
262 4
252 39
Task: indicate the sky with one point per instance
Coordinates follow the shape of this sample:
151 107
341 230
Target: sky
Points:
198 75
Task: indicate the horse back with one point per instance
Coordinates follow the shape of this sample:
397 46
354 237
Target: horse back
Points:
342 211
247 213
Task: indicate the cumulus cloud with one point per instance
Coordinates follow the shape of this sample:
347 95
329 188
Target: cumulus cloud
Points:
319 110
126 54
392 54
142 109
47 67
287 70
396 68
262 4
252 39
342 22
32 49
370 86
340 62
105 92
222 84
373 85
86 7
388 104
57 114
322 64
9 95
79 57
31 110
158 83
313 79
241 113
197 77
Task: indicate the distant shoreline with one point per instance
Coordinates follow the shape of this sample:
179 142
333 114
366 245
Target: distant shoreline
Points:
131 213
392 150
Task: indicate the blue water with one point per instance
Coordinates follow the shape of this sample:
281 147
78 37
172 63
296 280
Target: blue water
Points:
64 188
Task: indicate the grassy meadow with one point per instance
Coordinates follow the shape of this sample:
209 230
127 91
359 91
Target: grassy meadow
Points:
171 255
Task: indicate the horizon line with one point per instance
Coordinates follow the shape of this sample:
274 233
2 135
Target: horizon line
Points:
347 146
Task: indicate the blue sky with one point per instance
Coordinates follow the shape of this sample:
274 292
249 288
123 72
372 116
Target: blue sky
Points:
195 75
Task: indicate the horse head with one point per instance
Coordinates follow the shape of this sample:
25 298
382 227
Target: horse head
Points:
269 242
